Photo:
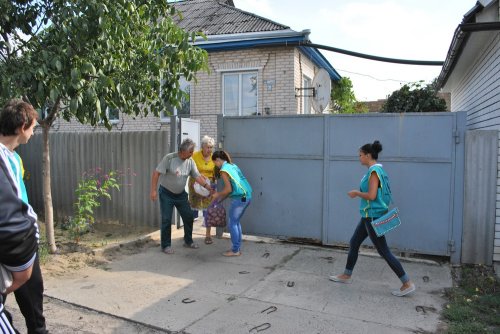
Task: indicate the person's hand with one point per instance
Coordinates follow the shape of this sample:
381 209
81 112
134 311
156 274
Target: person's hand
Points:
215 195
153 195
352 193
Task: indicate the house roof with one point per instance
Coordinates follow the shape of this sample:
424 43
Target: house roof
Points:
214 17
462 36
230 28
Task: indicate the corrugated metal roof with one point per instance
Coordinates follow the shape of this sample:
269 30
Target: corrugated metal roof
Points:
215 18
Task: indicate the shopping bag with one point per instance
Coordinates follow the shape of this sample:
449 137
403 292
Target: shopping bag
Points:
216 215
387 222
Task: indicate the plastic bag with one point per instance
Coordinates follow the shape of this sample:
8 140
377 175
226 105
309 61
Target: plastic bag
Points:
200 190
216 215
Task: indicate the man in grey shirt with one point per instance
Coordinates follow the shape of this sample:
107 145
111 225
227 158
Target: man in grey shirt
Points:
172 172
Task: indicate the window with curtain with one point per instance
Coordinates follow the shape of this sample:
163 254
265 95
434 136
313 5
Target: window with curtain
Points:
240 93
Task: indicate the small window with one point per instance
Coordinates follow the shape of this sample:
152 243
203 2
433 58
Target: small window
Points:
240 94
184 110
113 115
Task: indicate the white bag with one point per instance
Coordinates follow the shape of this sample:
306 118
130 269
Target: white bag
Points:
200 190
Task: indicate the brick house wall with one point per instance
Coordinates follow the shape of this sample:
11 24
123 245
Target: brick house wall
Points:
280 71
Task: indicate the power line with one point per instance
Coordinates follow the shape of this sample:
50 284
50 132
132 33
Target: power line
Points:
372 77
377 58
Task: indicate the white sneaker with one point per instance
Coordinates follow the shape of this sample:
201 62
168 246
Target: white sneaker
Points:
401 293
336 278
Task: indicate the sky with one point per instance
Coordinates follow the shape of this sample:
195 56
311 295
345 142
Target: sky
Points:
403 29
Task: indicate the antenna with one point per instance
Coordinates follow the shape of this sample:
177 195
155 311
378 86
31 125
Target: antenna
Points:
322 87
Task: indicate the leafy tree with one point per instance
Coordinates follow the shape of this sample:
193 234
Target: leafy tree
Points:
344 100
415 97
76 58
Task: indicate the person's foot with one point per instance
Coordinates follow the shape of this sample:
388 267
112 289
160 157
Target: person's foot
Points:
231 253
404 290
341 278
208 240
193 246
168 250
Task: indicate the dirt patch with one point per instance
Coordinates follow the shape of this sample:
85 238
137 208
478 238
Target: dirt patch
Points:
104 243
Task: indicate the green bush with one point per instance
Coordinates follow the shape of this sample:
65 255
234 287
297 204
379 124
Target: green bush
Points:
93 186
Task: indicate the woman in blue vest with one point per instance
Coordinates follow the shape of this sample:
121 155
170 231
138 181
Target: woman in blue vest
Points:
239 191
374 203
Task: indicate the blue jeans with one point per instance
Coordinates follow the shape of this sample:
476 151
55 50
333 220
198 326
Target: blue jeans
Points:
236 210
363 230
167 202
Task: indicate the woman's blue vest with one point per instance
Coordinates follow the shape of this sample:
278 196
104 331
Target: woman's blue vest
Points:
239 183
380 205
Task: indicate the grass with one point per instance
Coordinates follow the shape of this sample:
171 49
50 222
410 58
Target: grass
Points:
474 305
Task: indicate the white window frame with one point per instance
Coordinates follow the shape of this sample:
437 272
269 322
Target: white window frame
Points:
183 83
240 73
114 120
306 95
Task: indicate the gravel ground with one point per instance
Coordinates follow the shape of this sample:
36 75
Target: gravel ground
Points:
64 318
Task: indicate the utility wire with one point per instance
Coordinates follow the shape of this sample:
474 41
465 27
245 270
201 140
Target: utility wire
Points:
377 58
372 77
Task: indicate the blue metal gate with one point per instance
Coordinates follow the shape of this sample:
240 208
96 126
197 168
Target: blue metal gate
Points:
301 168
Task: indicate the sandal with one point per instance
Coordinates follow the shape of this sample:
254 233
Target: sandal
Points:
208 240
230 253
168 250
193 246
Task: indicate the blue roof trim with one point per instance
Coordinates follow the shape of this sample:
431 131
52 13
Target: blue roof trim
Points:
321 61
312 53
244 44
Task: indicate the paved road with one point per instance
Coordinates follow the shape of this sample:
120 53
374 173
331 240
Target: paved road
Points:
272 288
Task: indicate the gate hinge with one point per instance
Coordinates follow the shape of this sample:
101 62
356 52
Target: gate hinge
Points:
456 135
451 246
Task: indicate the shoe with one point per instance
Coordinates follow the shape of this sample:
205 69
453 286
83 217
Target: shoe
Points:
208 241
401 293
193 246
337 279
231 253
168 250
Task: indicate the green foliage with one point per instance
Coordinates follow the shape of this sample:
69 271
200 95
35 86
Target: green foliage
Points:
344 100
43 249
91 188
80 57
414 97
474 305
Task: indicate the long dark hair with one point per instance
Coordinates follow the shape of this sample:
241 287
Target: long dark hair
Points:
372 149
223 155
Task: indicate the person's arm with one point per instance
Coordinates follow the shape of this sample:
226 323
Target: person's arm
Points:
372 189
203 182
154 185
19 278
221 195
196 175
18 233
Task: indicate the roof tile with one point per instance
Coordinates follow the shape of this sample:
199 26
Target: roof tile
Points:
215 18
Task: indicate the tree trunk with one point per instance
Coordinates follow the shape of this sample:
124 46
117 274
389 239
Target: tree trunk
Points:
47 190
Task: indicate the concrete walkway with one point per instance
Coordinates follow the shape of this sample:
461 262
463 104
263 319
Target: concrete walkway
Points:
272 288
